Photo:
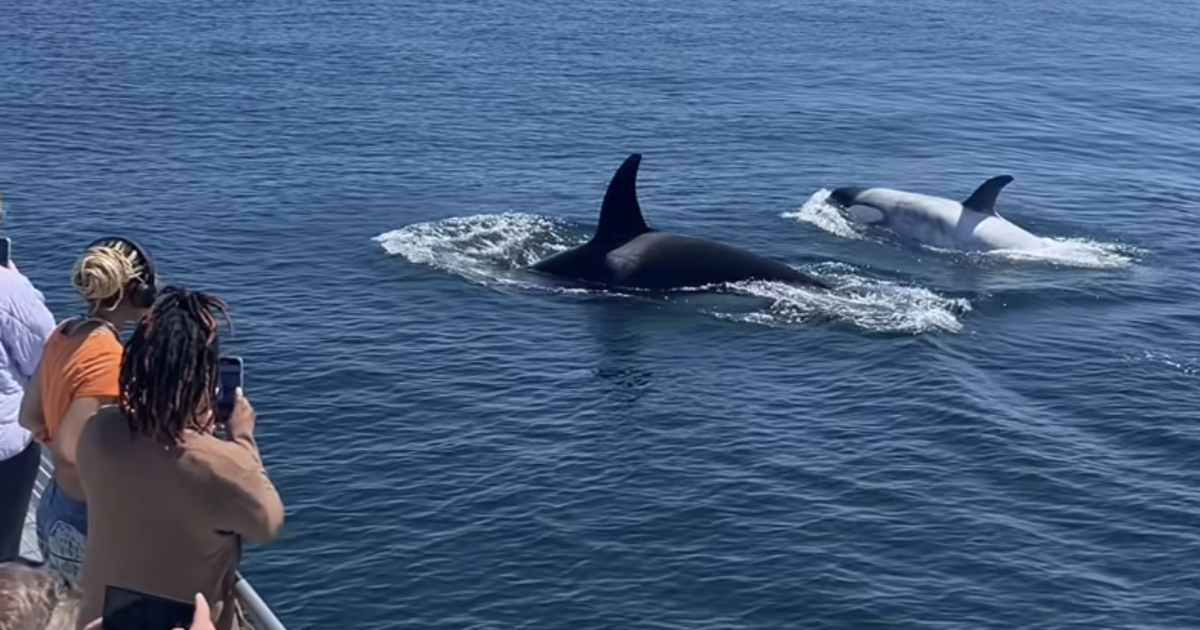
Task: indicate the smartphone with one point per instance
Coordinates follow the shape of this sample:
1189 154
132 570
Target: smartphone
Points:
5 251
229 378
125 609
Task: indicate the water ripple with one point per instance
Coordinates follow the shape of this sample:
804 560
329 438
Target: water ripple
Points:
944 441
493 250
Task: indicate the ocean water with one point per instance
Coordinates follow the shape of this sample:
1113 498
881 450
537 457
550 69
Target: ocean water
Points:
943 441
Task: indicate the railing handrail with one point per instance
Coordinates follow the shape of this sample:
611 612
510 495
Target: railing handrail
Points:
261 615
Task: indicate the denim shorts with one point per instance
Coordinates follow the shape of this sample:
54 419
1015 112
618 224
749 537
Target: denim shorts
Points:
62 532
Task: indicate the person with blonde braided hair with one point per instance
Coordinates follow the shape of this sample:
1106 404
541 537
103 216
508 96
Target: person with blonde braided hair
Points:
78 374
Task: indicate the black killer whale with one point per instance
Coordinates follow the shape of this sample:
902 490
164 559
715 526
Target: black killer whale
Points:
625 253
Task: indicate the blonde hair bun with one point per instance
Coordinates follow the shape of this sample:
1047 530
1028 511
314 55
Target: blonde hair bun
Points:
104 272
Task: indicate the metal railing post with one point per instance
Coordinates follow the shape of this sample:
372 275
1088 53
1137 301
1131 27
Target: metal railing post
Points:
264 619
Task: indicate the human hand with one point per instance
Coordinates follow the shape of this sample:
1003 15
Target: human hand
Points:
241 421
202 619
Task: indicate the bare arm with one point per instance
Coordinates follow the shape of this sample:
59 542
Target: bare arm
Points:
33 417
93 376
65 443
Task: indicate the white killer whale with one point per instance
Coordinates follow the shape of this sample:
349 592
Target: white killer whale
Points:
970 225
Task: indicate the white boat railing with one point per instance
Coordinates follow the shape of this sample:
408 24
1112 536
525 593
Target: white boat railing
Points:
258 614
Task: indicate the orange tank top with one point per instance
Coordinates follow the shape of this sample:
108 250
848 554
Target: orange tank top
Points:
76 366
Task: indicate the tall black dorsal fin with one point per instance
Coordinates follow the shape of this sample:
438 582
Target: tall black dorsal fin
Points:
984 198
621 215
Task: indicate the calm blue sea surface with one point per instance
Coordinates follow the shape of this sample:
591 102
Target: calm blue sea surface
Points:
945 441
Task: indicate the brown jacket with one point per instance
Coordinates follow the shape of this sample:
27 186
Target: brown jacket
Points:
156 514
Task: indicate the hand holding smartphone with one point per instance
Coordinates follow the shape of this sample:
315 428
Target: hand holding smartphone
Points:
229 379
126 609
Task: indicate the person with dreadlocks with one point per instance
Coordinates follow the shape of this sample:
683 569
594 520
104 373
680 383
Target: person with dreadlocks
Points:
169 501
76 376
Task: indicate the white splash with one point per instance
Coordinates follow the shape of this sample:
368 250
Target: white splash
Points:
867 303
1180 365
816 212
492 250
483 248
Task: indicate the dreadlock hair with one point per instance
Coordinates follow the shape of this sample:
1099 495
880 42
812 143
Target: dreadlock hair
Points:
169 369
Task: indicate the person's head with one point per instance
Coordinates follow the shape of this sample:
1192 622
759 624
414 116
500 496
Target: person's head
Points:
36 598
116 278
169 370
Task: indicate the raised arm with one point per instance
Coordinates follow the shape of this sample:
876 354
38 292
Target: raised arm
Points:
243 499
